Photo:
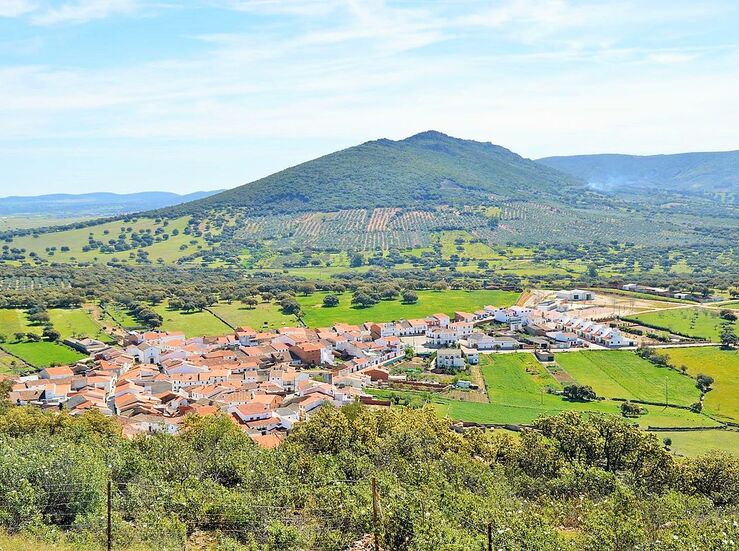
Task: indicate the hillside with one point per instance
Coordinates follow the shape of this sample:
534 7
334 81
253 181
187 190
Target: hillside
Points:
684 172
94 204
427 169
429 199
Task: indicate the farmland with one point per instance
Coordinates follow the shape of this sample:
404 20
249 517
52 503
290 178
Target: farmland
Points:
694 443
263 315
723 366
14 321
77 323
518 389
429 302
193 324
622 374
693 322
169 241
43 353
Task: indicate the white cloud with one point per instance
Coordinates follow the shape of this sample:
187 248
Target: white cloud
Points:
83 11
15 8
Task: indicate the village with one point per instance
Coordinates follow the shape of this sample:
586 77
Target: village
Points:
266 381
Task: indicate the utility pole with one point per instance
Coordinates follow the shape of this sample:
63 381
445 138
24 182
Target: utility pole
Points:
110 519
376 513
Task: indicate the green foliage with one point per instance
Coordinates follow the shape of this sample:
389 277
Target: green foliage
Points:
589 482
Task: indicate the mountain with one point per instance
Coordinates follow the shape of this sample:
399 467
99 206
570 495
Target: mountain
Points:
427 169
95 204
683 172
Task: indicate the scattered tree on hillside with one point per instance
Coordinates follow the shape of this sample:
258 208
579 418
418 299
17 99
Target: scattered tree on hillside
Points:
410 296
579 393
330 301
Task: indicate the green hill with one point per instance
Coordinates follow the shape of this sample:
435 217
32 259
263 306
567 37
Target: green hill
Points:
427 169
685 172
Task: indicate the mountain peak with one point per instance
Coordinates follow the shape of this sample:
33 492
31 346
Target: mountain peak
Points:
410 173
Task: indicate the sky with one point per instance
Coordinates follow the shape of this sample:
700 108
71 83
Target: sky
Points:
136 95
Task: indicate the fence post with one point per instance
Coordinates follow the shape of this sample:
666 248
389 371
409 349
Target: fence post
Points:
110 518
490 536
376 513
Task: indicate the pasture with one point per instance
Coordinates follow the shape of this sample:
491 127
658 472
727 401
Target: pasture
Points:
43 353
429 302
15 321
77 323
9 364
694 322
193 324
49 245
723 366
517 389
264 315
623 374
695 443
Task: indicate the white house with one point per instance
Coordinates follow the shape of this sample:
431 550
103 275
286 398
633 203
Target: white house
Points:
439 336
449 358
481 341
505 343
471 355
574 295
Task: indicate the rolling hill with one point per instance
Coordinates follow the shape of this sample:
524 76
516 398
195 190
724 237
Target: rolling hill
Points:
684 172
427 169
417 195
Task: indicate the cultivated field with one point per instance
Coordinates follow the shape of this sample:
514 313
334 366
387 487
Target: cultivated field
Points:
429 302
623 374
723 366
693 322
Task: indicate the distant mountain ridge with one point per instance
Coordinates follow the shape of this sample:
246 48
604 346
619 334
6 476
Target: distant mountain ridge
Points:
95 204
681 172
427 169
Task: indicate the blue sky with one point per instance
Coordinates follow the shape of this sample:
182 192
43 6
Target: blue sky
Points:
132 95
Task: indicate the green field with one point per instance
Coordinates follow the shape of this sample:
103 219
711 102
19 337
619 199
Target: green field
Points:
264 315
429 302
77 323
193 324
43 354
723 366
517 389
694 443
8 364
623 374
168 250
15 321
694 322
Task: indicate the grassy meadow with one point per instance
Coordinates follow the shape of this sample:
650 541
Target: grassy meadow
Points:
517 388
263 315
694 443
77 323
694 322
193 324
15 321
429 302
43 353
723 366
623 374
169 250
